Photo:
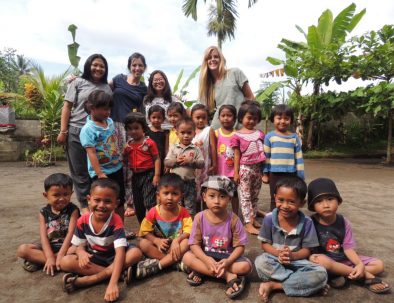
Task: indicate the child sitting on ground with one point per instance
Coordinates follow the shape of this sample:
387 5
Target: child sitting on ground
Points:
99 139
337 245
102 250
57 222
287 236
165 229
218 239
184 158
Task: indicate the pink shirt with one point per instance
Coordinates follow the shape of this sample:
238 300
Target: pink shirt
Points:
225 153
251 146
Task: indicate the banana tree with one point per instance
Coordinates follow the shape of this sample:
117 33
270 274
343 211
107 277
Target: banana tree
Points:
182 91
267 98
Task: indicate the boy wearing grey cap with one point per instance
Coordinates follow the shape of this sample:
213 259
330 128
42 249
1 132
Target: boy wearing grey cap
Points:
336 250
218 239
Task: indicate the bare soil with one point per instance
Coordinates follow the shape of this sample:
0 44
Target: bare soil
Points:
366 186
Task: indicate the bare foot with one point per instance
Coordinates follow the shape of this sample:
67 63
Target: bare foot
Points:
251 229
324 290
265 290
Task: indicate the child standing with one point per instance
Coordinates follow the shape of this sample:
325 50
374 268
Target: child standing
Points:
156 115
248 156
287 236
102 250
183 159
337 245
282 149
142 157
175 112
99 139
57 222
218 239
205 139
165 229
225 153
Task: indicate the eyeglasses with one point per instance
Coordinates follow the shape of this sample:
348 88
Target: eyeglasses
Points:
158 80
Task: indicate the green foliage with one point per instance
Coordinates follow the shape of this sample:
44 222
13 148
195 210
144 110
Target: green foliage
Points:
41 157
73 50
182 91
8 73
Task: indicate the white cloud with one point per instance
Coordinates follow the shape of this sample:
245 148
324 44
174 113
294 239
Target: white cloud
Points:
159 30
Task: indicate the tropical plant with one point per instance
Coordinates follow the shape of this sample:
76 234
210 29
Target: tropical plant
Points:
8 74
73 50
222 15
267 97
21 64
182 91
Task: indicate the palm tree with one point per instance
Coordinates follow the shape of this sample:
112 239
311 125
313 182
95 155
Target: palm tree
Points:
22 65
222 17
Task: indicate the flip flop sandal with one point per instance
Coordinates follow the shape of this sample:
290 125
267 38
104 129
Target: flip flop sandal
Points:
191 281
180 266
147 268
369 283
69 282
338 282
30 267
240 281
130 235
130 274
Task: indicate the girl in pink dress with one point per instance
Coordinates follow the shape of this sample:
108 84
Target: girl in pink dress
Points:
248 156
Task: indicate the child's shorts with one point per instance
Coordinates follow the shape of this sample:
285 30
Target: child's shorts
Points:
105 260
54 246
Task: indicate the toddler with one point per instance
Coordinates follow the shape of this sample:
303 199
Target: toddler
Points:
175 112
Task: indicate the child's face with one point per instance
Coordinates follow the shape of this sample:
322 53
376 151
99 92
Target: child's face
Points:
249 121
226 119
100 113
102 202
185 132
169 197
282 122
287 202
58 197
173 117
200 118
215 200
135 131
156 119
326 206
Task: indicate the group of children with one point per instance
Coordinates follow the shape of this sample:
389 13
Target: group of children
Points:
182 207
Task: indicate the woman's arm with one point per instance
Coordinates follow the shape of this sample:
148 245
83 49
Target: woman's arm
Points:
247 91
65 117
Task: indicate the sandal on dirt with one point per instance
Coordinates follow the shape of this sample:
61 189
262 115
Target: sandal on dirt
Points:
370 283
30 266
130 235
69 282
240 281
130 274
147 268
180 266
191 281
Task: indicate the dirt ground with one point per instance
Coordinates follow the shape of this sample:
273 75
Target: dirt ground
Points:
366 186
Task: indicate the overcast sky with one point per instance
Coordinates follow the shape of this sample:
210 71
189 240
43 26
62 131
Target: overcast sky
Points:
159 30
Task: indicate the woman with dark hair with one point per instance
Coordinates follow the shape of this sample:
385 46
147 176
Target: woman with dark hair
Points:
219 85
159 93
73 118
128 94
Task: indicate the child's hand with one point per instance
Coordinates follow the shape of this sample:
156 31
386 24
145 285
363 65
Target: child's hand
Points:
129 212
155 180
212 170
180 160
50 266
221 268
357 272
83 259
265 178
236 178
285 255
111 293
102 176
212 265
162 244
175 250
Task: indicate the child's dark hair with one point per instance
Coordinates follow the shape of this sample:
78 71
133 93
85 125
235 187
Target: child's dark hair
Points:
177 107
136 117
295 183
187 121
251 107
58 179
230 107
282 109
97 99
197 107
106 183
171 179
156 109
87 68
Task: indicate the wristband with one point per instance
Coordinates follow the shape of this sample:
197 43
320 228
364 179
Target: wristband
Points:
64 132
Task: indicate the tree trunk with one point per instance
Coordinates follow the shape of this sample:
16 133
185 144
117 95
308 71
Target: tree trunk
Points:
309 138
266 125
309 142
389 137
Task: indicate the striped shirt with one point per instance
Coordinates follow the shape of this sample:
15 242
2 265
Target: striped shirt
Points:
284 154
111 236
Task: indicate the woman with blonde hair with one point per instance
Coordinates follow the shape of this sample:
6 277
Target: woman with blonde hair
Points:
219 85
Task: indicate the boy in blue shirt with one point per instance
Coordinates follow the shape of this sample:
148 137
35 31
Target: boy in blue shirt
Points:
287 236
99 139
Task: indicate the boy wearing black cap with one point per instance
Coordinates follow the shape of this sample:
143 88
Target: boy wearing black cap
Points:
337 245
